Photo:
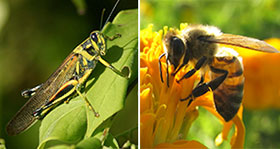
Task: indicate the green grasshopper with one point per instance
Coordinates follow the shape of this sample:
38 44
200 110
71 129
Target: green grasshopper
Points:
65 82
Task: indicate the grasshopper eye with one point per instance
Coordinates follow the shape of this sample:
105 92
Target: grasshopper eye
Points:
94 37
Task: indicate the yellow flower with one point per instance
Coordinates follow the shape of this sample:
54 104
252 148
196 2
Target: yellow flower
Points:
165 120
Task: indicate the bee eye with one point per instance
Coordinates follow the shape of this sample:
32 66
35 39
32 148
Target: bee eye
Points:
178 47
176 50
94 37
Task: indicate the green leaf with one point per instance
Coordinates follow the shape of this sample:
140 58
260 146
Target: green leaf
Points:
66 123
106 91
63 146
2 144
111 142
110 99
129 115
89 143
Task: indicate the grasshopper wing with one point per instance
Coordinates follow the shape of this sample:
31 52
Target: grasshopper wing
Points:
24 118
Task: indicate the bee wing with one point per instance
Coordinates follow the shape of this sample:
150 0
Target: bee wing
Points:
244 42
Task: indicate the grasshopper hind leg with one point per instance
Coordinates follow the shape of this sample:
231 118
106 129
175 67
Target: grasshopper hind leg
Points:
63 94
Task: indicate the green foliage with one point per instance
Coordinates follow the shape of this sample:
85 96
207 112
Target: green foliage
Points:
2 144
89 143
262 128
257 18
80 5
206 128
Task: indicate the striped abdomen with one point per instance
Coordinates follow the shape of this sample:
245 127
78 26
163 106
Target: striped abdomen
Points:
228 96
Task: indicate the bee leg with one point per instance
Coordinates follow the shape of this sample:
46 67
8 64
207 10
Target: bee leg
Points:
201 80
177 70
198 91
205 87
167 72
191 97
160 71
30 92
219 80
198 65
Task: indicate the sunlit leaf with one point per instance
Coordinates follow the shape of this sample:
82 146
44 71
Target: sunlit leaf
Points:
89 143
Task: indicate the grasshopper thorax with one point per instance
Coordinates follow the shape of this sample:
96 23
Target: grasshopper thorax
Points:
98 42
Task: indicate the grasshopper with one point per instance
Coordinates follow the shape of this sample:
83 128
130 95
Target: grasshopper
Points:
65 82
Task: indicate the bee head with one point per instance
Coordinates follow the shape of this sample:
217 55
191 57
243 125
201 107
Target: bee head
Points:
98 42
175 48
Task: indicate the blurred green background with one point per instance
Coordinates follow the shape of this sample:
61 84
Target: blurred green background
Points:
35 37
258 18
253 18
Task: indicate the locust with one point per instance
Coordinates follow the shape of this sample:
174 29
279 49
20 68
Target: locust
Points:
66 82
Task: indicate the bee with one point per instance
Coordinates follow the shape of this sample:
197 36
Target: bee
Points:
198 44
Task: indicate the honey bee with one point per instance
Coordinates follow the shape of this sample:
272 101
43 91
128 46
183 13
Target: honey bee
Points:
198 44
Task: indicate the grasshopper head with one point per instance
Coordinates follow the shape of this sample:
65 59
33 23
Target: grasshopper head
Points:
98 42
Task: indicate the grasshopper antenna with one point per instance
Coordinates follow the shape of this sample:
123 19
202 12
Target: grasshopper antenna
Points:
110 13
102 15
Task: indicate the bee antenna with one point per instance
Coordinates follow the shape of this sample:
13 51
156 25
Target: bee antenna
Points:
110 13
